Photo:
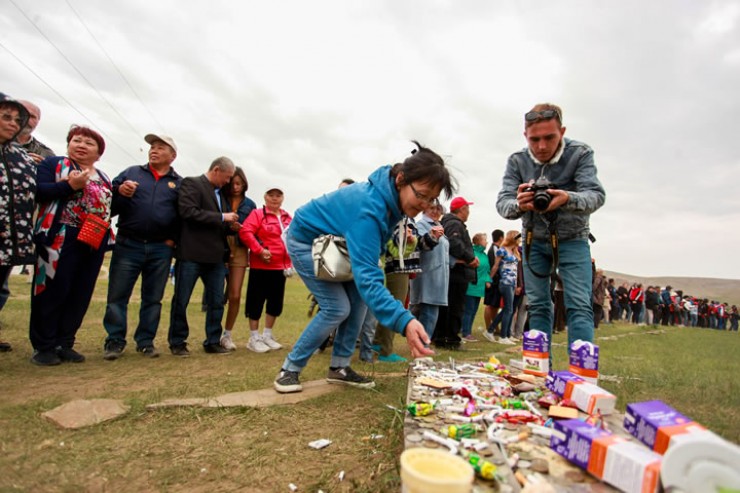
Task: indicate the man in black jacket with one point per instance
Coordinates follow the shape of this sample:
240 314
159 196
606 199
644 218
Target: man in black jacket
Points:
463 264
201 253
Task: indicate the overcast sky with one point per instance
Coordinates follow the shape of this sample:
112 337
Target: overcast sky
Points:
304 93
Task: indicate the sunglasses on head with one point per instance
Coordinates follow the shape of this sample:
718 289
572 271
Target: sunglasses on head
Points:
544 114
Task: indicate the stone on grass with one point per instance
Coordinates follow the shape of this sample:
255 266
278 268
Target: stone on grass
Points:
81 413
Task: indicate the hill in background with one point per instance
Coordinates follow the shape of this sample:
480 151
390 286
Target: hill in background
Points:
724 290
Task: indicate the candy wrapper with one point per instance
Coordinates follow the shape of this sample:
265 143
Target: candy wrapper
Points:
536 353
459 432
584 361
420 408
482 468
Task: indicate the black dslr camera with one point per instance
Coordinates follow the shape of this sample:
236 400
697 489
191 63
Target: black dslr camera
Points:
541 199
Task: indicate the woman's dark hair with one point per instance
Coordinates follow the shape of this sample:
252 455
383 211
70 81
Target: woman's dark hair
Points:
426 166
238 172
87 132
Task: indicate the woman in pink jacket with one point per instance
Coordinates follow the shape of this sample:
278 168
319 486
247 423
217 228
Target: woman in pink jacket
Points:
269 265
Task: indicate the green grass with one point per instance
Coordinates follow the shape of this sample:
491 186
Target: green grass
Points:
191 449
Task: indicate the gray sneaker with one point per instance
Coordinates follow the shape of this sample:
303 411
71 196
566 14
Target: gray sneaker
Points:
148 351
287 382
113 351
347 376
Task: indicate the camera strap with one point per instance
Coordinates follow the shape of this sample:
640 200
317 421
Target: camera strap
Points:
553 238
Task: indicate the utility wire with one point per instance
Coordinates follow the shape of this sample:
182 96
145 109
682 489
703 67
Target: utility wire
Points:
107 137
135 130
114 65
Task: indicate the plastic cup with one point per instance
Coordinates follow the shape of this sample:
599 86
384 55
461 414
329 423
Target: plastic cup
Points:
434 471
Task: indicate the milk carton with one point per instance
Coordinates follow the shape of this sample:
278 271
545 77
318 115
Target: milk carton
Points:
626 465
584 360
588 397
536 353
656 424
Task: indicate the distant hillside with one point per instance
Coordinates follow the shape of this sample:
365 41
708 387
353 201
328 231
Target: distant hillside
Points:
725 290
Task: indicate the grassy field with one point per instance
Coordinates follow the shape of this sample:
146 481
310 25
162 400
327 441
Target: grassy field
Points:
191 449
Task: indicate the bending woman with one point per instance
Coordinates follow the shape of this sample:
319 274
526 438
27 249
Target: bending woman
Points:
70 189
364 214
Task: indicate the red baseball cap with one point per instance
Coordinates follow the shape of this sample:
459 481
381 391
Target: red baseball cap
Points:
458 202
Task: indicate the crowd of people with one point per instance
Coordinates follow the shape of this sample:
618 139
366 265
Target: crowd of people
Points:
653 305
422 279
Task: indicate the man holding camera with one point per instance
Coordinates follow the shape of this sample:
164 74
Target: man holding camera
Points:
552 185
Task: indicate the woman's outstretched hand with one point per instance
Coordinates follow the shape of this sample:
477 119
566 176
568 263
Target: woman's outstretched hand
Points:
417 339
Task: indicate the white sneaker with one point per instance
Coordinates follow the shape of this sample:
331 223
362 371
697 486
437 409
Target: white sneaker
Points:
506 340
271 343
227 343
489 336
255 344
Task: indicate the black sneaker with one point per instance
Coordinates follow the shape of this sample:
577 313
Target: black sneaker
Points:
148 351
348 376
180 350
287 382
45 358
215 349
69 355
113 351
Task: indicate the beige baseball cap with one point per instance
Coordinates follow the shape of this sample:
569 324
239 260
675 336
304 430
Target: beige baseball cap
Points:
152 138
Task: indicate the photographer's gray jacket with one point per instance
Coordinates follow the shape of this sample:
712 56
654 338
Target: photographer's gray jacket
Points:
574 172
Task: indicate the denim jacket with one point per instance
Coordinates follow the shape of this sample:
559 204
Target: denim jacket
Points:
574 172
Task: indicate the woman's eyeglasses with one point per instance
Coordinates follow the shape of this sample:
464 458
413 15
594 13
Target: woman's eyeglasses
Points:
7 117
422 197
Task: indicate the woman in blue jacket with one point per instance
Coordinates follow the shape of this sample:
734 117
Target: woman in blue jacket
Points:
364 214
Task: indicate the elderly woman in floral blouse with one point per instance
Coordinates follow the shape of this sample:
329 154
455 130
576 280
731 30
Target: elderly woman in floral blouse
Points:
74 197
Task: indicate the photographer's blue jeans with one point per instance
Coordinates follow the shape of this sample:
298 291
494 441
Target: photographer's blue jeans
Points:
428 315
506 315
575 271
340 306
187 274
367 334
471 308
130 259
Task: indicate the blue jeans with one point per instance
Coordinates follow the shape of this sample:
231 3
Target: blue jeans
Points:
427 316
341 307
575 271
186 275
130 259
506 315
471 308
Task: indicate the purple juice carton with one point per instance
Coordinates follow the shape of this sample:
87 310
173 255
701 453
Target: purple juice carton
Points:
655 423
536 353
613 459
584 361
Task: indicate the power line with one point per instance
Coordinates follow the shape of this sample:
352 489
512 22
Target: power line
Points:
107 137
135 130
114 65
